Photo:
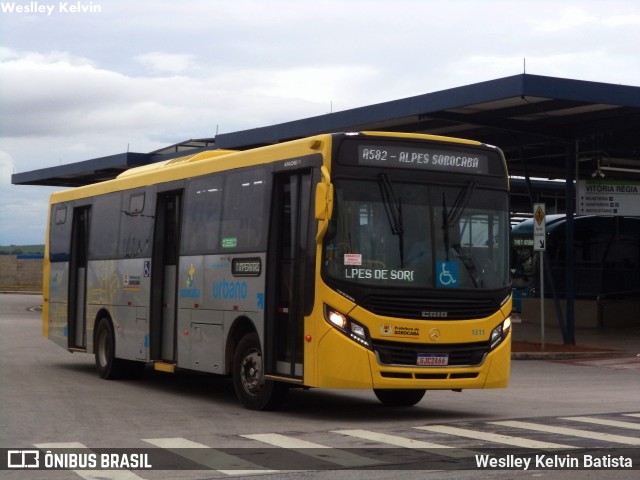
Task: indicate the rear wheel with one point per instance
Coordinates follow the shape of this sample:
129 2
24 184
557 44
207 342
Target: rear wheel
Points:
399 398
253 390
107 365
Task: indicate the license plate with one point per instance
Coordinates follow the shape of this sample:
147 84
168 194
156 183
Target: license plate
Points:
427 359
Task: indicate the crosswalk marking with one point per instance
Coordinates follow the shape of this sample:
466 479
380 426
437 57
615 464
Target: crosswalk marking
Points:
234 465
91 474
609 423
209 458
606 437
403 442
329 454
491 437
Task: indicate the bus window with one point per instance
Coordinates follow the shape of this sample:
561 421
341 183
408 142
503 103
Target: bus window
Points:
245 206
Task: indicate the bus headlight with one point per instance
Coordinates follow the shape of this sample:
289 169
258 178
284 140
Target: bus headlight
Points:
500 332
336 318
352 329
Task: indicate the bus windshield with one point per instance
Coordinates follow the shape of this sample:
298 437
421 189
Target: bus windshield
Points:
387 232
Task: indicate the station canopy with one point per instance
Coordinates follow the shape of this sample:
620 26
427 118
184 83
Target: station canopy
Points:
546 126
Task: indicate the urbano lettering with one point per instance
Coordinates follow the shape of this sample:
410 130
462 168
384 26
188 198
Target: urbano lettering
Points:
230 290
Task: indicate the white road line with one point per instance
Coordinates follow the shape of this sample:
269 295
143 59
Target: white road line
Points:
605 437
328 454
637 415
436 448
90 474
208 457
492 437
600 421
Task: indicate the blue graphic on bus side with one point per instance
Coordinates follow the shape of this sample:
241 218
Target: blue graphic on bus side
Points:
446 274
261 301
190 292
229 290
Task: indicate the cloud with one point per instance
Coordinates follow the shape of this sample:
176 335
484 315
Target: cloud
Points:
143 75
24 209
61 95
569 18
160 62
621 20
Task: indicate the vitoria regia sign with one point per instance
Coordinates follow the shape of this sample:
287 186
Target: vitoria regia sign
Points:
608 197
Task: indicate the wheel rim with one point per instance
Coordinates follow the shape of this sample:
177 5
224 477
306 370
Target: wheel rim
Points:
251 372
103 346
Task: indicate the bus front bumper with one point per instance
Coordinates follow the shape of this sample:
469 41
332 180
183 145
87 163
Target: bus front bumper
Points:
346 364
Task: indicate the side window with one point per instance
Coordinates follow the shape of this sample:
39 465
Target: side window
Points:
60 233
246 210
203 204
136 225
105 226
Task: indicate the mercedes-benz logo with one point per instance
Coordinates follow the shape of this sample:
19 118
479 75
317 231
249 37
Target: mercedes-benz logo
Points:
434 334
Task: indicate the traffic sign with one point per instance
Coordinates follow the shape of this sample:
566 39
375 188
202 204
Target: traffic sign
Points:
539 235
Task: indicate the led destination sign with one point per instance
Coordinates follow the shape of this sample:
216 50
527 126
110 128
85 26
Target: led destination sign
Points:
246 267
423 158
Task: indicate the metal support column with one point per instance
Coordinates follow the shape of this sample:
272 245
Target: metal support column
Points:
570 205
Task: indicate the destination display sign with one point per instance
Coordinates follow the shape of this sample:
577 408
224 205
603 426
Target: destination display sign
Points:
423 159
608 197
246 267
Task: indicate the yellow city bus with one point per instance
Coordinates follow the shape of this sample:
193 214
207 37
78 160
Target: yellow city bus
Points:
356 260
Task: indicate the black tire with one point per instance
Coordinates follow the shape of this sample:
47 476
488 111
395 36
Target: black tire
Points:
253 390
108 366
400 397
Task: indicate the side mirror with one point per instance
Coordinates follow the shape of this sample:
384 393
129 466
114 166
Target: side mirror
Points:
324 203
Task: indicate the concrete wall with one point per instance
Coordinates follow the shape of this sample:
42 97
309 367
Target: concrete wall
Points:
20 274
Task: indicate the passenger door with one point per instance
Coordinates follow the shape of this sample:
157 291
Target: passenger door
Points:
291 269
78 277
166 244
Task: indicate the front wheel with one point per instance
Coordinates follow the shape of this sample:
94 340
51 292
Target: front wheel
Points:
399 398
253 390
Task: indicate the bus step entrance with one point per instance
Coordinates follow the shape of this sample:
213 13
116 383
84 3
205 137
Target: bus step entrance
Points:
164 367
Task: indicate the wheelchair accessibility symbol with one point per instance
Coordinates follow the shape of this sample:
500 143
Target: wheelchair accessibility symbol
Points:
446 274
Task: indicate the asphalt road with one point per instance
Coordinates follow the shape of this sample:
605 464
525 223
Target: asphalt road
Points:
51 398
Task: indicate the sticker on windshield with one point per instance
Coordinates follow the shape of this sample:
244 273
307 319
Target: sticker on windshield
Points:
446 274
353 259
229 242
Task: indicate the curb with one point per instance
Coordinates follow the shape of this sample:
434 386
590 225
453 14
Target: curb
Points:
566 355
20 292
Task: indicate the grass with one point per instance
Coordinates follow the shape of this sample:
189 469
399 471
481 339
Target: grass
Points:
21 249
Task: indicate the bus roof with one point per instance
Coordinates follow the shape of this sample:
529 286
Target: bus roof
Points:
210 161
194 165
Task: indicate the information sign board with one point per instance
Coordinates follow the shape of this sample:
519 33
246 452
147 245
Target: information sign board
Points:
608 197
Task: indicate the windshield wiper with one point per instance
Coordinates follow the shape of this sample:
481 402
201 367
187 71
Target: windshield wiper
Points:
393 207
451 218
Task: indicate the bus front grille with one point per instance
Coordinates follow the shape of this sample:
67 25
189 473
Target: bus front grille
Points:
430 308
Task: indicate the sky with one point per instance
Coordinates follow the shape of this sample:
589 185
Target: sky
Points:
120 75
